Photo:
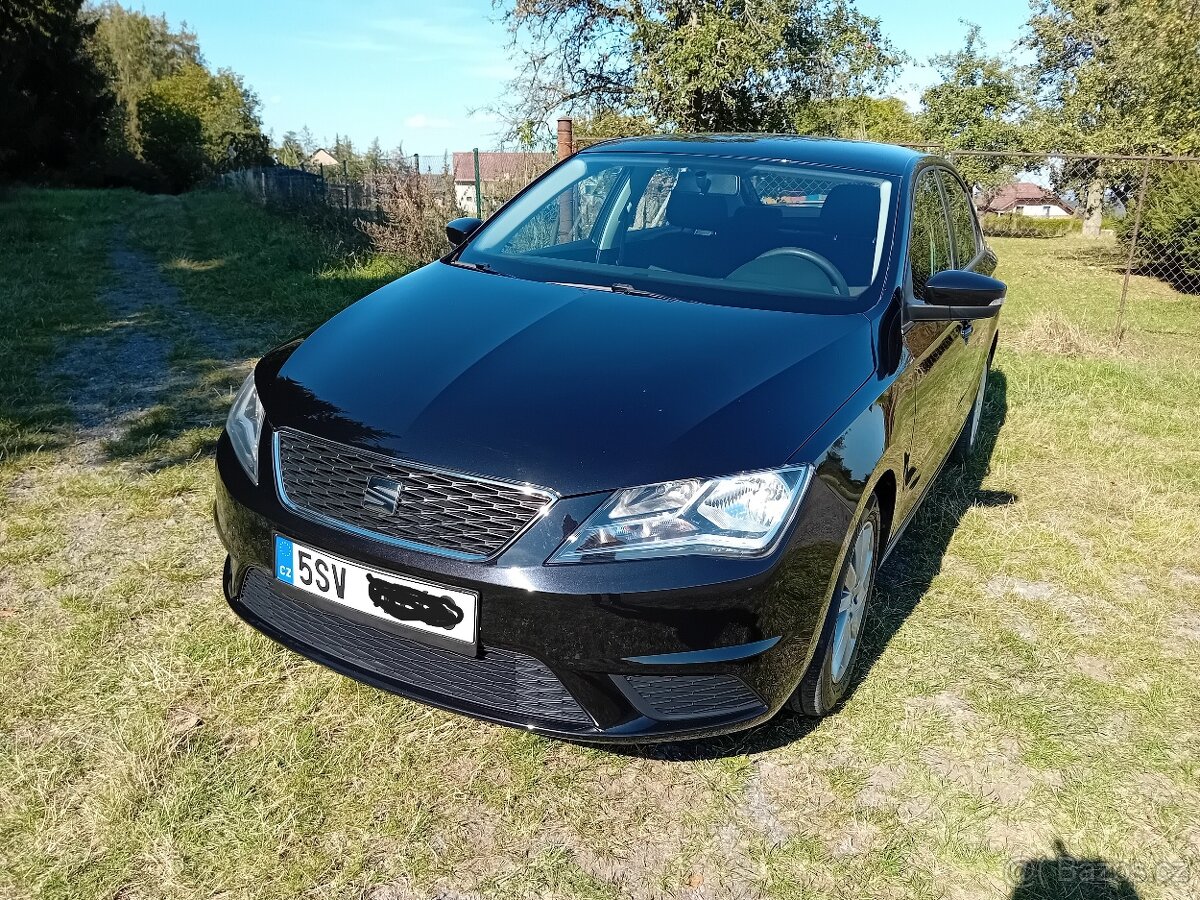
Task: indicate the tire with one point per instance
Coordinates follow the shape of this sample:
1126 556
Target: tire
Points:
829 675
968 438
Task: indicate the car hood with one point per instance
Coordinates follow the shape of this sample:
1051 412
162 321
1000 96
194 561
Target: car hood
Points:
571 389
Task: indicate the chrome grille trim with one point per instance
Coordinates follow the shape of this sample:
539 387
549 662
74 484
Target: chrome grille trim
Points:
518 516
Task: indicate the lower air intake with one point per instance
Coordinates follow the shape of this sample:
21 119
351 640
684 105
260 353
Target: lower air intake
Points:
510 683
693 696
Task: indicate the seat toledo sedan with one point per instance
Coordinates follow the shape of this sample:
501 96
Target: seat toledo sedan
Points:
622 466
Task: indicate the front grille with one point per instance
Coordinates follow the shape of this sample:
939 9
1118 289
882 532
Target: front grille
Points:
458 515
693 696
510 683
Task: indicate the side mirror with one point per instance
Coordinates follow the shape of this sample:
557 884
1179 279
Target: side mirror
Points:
459 230
954 294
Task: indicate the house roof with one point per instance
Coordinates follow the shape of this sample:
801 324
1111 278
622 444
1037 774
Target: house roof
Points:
322 157
496 166
1024 193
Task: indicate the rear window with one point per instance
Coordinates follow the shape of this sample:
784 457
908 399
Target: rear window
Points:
792 189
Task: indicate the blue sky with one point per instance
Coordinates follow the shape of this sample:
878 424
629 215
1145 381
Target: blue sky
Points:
412 72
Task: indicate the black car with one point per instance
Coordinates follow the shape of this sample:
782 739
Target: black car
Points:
622 466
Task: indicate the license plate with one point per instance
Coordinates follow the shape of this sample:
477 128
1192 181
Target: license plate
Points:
420 605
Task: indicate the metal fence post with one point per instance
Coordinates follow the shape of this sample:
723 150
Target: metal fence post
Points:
1119 331
478 187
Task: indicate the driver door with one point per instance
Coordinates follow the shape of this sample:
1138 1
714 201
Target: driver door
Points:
937 349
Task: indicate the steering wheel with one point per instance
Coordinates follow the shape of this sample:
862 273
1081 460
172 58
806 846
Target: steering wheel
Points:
828 269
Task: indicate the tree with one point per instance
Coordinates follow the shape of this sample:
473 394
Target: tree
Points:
53 99
134 51
602 125
1116 78
691 65
308 142
195 123
352 164
979 104
373 159
860 118
290 152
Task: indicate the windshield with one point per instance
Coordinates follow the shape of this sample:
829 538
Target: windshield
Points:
765 234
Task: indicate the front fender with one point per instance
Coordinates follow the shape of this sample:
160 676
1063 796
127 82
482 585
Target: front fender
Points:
859 444
852 452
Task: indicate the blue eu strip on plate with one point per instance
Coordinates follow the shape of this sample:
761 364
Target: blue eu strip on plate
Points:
284 563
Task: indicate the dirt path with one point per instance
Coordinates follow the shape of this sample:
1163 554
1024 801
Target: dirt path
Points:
122 371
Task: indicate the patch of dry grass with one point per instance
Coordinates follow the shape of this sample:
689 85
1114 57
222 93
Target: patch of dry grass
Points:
1052 332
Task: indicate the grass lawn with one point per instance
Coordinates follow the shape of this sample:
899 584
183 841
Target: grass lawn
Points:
1031 683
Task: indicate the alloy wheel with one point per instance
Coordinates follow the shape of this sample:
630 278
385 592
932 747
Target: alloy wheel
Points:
852 597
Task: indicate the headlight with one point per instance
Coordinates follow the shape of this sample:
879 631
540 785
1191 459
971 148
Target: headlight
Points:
741 515
244 426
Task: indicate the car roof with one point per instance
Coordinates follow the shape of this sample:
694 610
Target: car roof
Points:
884 159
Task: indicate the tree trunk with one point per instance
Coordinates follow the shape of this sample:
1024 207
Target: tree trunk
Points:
1093 208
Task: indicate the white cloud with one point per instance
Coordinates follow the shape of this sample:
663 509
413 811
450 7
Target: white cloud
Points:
420 120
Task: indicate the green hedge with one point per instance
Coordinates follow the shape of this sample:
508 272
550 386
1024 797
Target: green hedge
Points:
1026 226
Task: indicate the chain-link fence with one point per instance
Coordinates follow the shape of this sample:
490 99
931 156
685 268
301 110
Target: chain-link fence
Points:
1164 236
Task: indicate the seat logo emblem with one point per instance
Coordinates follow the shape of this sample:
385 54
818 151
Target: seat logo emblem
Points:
382 495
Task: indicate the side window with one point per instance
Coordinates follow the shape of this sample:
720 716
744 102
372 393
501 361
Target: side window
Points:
568 217
653 202
929 246
962 221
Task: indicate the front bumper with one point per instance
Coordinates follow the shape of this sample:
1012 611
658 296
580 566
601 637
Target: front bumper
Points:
622 652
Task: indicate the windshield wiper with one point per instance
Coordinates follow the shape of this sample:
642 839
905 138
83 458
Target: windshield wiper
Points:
618 288
582 285
622 288
479 267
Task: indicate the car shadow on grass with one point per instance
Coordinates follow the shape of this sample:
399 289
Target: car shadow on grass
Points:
1068 877
902 582
908 573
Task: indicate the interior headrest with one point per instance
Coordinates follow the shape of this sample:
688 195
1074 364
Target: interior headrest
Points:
703 212
760 218
851 209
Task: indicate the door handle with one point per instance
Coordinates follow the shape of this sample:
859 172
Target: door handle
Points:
965 330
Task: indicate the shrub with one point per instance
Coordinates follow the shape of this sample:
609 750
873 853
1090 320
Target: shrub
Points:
1026 226
413 211
1169 237
117 169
